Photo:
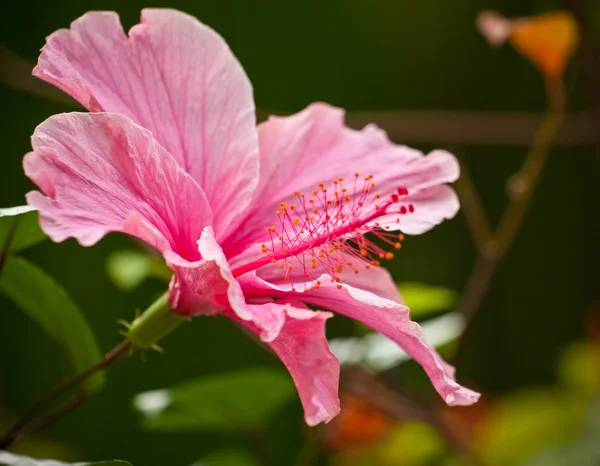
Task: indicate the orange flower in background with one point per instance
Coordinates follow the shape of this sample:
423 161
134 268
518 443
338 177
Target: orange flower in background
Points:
359 423
547 40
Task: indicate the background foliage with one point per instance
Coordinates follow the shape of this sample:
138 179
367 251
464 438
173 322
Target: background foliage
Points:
378 55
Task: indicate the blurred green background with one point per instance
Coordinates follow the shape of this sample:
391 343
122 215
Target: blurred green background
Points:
381 55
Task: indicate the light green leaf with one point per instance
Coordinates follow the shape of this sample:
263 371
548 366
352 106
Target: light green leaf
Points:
9 459
129 268
412 442
24 221
526 422
47 303
243 400
227 458
424 299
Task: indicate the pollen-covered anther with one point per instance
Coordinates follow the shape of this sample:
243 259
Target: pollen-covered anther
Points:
334 231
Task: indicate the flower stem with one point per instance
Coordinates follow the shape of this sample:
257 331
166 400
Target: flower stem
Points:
493 245
23 425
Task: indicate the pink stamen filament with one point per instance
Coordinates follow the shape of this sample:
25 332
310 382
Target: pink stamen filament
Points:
315 242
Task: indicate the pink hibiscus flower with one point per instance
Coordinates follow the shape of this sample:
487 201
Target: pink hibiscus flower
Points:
255 222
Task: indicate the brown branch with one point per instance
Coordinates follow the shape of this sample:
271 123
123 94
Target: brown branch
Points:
398 406
23 424
472 208
521 189
62 410
7 243
524 183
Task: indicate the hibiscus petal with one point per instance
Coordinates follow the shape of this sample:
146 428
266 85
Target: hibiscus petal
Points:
300 151
382 315
269 320
176 77
101 173
376 280
302 347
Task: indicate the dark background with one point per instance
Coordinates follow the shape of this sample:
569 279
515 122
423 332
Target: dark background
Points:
377 55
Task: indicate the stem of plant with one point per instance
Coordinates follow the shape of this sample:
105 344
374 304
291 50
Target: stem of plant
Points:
6 246
23 426
492 246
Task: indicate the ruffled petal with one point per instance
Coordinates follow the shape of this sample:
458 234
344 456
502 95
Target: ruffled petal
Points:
300 151
302 347
101 173
176 77
382 315
208 286
376 280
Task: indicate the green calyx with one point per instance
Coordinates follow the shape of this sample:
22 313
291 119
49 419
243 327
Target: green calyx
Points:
155 323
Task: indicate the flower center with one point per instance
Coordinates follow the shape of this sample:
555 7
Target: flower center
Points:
325 232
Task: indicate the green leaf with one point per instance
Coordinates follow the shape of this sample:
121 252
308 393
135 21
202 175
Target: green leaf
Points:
426 299
24 221
412 442
525 422
9 459
47 303
243 400
227 458
129 268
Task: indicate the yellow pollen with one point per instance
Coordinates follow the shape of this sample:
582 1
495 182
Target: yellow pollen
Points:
381 255
389 255
296 221
292 206
356 174
278 212
363 253
281 266
272 229
397 245
282 205
401 237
